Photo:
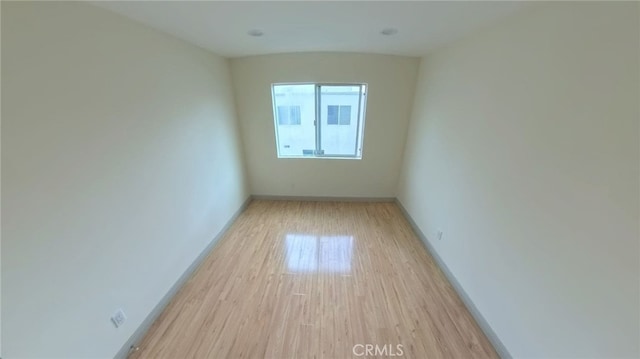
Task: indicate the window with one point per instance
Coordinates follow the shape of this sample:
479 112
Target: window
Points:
339 115
328 119
288 115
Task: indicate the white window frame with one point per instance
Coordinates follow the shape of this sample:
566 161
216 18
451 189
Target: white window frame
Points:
318 152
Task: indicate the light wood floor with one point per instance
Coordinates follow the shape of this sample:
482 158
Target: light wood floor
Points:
312 280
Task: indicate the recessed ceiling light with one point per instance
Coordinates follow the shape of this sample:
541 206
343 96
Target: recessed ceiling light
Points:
255 33
389 31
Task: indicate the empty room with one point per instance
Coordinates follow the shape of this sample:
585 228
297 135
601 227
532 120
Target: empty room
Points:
320 179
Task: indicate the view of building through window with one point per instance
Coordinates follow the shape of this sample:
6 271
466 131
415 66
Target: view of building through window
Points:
338 115
317 120
288 115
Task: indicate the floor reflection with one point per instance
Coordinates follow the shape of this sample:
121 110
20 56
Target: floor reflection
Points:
310 253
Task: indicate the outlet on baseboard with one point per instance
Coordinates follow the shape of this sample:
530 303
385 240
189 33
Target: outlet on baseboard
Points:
439 234
118 318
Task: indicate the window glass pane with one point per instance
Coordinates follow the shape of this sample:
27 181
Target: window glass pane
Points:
345 115
339 140
332 115
298 102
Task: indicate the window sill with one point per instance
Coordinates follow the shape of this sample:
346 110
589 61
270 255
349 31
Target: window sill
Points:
318 158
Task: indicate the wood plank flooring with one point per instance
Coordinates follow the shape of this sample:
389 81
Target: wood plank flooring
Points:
317 280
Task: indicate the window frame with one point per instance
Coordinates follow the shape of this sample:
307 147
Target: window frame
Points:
318 153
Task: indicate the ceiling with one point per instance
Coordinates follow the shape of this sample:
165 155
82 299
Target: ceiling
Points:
300 26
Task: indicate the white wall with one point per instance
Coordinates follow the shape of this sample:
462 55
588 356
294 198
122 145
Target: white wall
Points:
0 195
121 161
391 82
524 149
0 192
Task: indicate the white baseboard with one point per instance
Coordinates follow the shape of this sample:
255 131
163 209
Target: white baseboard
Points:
482 323
323 198
137 336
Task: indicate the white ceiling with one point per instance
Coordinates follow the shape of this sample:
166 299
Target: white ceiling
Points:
299 26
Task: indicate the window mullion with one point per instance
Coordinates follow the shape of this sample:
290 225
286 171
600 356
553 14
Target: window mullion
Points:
358 132
317 121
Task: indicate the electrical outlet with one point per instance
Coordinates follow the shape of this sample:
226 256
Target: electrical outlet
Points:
118 318
439 235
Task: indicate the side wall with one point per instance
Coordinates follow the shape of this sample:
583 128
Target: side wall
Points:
523 149
121 161
391 82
